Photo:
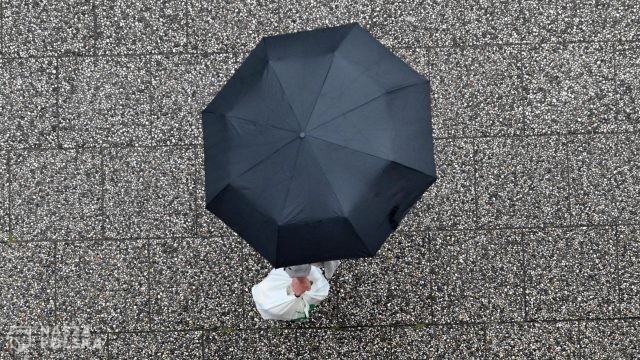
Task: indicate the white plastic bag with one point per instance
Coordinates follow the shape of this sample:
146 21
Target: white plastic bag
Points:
275 302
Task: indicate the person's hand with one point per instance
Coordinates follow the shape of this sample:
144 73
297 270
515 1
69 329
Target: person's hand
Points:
300 285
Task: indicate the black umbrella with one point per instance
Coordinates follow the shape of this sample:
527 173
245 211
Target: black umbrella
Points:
318 146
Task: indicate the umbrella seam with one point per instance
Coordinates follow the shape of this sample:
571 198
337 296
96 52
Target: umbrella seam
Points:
266 49
376 156
402 87
324 81
248 120
340 202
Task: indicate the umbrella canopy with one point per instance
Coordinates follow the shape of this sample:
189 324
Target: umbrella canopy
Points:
318 146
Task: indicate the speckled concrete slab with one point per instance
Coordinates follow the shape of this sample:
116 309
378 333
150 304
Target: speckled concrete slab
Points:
627 71
53 343
616 339
477 276
27 284
394 287
439 342
149 192
450 203
103 284
628 238
604 179
314 343
195 283
271 343
156 345
4 195
28 103
223 343
361 342
415 23
105 101
56 194
563 279
522 182
553 340
222 26
181 87
140 27
477 91
45 28
570 88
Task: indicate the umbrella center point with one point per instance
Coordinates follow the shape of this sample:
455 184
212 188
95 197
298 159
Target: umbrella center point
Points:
302 135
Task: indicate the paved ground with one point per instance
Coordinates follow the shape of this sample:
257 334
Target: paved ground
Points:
528 246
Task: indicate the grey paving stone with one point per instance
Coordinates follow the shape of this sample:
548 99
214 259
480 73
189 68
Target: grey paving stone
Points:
477 276
555 340
412 342
56 194
604 178
629 268
207 224
571 273
459 342
394 287
594 20
103 284
416 23
225 343
105 101
584 20
45 28
27 103
224 26
299 15
53 342
27 284
450 202
538 21
255 268
562 92
195 283
627 70
149 192
140 27
439 342
361 342
477 91
623 20
488 21
522 182
156 345
315 344
4 196
269 344
611 339
181 87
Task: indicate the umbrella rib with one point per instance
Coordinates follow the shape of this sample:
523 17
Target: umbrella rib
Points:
402 87
262 159
284 92
293 173
339 201
257 122
364 152
324 81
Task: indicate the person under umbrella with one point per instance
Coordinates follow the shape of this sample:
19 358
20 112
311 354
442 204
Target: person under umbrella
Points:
299 274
